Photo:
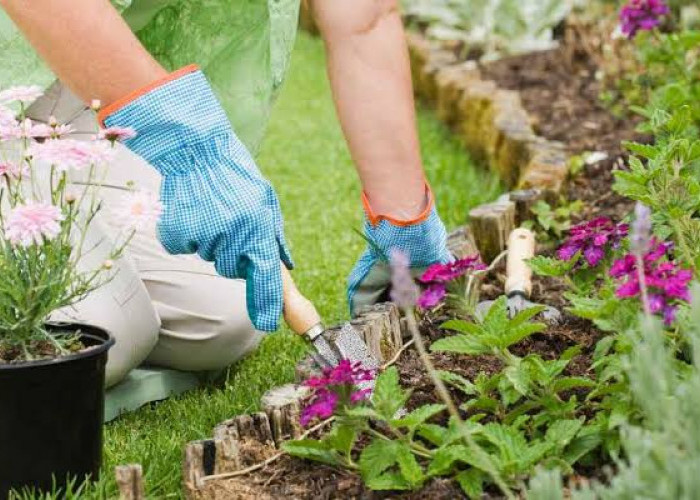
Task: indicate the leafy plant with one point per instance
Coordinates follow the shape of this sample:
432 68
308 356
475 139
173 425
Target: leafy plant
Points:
494 27
44 223
551 223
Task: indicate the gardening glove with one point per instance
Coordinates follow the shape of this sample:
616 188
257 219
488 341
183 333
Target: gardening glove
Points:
216 202
423 240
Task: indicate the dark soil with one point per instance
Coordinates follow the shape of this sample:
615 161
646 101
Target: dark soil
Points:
559 89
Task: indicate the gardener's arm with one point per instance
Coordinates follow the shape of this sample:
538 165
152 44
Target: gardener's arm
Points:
370 75
216 201
87 45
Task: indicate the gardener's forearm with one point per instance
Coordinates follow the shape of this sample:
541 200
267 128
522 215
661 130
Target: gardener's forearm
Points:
370 75
87 45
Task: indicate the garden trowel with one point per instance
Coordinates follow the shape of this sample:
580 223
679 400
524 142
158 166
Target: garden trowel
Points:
521 247
302 317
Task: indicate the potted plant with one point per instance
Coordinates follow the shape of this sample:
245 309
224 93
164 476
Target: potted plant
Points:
51 375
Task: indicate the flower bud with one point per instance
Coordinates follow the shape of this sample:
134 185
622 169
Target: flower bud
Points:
95 104
53 122
70 198
108 264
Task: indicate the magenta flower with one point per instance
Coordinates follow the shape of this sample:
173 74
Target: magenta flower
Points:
20 94
69 153
432 296
643 15
336 389
592 239
437 277
33 223
666 282
113 134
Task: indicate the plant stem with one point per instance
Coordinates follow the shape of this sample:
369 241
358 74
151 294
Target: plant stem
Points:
451 407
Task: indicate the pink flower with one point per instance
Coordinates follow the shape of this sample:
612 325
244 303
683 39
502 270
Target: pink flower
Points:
666 282
592 239
33 223
14 170
336 389
642 15
432 296
443 273
116 134
59 131
24 130
7 117
20 94
139 209
69 153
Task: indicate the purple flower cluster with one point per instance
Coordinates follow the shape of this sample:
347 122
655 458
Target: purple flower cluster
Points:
437 276
643 15
336 387
592 239
666 282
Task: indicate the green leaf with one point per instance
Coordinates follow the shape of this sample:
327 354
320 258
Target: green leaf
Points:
461 326
547 266
311 450
342 438
472 482
388 396
445 458
588 440
388 481
457 381
408 465
562 432
567 383
418 416
519 377
461 344
377 457
433 433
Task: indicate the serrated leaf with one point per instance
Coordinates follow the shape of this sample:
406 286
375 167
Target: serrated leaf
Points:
472 482
461 326
388 396
388 481
342 438
519 377
418 416
587 441
312 450
461 344
562 432
408 465
445 458
457 381
377 457
547 266
433 433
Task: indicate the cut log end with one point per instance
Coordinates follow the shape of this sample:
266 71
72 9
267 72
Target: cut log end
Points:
491 225
130 482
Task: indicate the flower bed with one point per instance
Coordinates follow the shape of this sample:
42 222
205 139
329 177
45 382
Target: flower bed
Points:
612 384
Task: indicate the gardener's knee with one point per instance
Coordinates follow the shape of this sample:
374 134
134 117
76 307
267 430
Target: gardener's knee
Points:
340 19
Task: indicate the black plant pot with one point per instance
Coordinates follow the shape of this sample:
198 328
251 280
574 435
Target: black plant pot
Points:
51 416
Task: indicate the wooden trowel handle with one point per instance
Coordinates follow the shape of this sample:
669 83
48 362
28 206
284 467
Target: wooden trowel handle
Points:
299 313
521 247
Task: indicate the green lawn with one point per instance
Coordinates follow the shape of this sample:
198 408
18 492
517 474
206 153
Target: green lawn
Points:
305 157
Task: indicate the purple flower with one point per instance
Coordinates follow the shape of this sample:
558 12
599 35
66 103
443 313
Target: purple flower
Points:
432 296
404 291
322 407
592 239
666 282
642 15
335 389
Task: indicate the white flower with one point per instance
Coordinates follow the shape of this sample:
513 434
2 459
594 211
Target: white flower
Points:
69 153
138 209
7 117
20 94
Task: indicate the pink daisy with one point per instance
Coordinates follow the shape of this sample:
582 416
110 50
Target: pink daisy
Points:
33 223
13 170
69 153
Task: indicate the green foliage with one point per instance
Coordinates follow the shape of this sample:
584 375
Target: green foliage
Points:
495 27
551 223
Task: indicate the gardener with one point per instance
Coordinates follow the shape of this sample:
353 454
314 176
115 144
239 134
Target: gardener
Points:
171 309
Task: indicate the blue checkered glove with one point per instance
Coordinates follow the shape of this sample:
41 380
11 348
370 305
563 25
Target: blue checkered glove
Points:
423 240
216 202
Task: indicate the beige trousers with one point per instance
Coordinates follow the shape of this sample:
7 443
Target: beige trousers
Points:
165 310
